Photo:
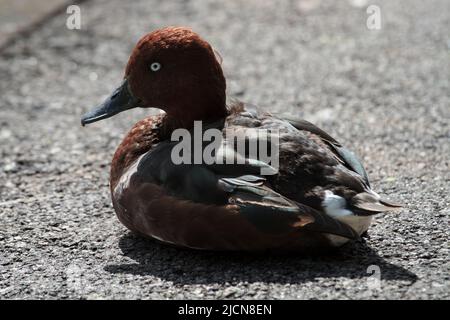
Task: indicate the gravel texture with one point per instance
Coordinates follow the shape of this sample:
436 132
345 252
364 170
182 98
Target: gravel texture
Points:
383 93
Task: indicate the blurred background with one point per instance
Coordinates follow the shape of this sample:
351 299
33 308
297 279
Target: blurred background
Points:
373 74
18 16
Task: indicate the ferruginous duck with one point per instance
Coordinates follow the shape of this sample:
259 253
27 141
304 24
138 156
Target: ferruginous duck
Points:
317 195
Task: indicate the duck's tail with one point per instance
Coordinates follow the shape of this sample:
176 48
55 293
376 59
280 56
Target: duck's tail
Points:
370 203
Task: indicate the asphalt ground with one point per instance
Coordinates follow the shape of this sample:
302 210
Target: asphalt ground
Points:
383 93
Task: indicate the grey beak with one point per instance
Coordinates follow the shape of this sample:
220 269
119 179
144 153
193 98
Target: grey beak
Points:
120 100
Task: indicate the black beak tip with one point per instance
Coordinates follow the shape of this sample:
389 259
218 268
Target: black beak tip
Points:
84 121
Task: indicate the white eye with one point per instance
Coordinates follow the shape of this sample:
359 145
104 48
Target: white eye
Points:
155 66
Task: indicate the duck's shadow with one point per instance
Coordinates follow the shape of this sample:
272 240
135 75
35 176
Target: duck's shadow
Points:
184 266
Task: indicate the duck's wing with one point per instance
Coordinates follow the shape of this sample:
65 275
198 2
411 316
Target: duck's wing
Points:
345 155
364 203
273 213
350 173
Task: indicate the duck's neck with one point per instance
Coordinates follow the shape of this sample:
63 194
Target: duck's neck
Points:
184 116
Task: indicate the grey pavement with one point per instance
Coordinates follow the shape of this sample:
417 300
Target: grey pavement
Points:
383 93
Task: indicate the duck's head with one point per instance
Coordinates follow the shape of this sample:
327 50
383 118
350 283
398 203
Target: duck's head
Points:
172 69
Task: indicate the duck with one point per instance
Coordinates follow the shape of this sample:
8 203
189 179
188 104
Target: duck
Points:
315 194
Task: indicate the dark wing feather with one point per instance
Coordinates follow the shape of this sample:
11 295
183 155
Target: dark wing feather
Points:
273 213
351 161
348 157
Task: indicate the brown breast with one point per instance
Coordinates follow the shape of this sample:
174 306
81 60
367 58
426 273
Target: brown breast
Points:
139 140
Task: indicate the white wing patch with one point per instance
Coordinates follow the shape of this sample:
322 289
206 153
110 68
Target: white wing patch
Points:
335 206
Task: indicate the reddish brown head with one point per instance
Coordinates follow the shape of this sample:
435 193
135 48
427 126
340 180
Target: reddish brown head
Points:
172 69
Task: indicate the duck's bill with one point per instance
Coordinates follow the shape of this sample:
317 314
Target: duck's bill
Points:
121 99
